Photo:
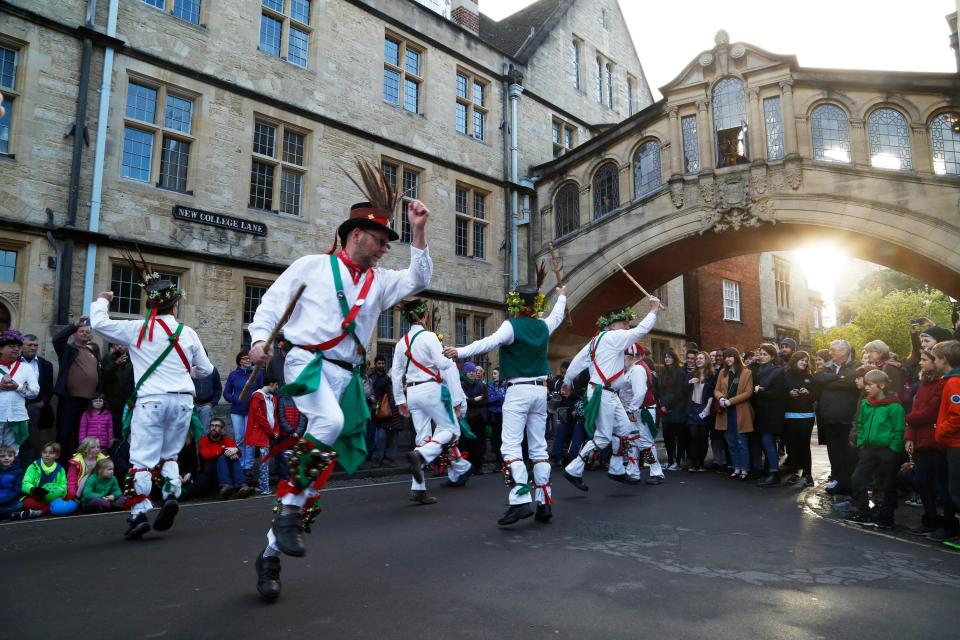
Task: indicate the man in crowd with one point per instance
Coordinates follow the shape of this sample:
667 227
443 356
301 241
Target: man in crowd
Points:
787 348
77 381
39 408
836 408
475 391
208 391
220 457
386 426
116 373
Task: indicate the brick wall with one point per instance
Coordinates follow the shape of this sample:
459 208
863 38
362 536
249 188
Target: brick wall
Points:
706 289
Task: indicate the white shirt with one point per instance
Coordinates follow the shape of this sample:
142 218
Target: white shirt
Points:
504 336
171 376
34 364
428 351
13 406
317 317
609 353
634 388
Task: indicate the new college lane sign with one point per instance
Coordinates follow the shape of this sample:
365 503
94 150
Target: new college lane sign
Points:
219 220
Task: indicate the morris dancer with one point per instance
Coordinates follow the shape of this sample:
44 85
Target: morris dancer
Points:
17 384
636 394
166 356
523 365
604 415
429 390
345 294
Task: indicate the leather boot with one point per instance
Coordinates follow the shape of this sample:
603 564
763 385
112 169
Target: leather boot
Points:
137 527
461 481
772 480
421 497
416 466
168 512
515 513
544 513
268 577
288 530
575 481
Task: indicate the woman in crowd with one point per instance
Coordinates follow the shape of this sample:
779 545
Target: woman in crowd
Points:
496 391
734 413
799 416
240 407
878 354
770 397
673 408
700 410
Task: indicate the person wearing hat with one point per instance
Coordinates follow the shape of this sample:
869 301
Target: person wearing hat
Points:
523 339
427 388
787 348
345 293
604 415
166 356
636 394
18 383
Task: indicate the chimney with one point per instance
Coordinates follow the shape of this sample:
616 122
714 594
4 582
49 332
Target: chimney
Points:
466 13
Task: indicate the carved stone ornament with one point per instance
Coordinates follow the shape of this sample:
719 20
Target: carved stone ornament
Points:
793 175
734 206
676 193
722 37
738 51
706 59
758 184
706 191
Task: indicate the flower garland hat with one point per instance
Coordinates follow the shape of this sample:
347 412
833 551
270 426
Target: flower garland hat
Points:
526 300
622 314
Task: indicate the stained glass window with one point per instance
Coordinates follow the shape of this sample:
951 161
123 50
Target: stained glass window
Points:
566 206
606 190
945 141
691 144
889 140
730 121
646 169
774 125
831 134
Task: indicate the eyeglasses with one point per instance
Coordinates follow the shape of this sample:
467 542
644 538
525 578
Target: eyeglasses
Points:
383 243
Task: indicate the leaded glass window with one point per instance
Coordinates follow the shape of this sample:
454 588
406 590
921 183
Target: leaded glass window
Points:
575 58
137 154
945 141
461 325
831 134
691 144
462 232
270 33
385 325
261 185
252 295
178 113
8 68
411 191
126 290
889 140
772 120
606 190
8 265
599 80
141 102
646 169
297 47
291 188
188 10
566 206
300 10
402 65
609 85
730 121
174 160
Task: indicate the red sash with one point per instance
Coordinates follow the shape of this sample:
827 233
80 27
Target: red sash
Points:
648 399
433 374
593 353
176 344
348 320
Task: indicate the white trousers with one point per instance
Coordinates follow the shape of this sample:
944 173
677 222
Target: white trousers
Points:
525 410
426 409
158 430
612 422
6 438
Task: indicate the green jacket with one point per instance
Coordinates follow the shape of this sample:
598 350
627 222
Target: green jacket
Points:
97 487
56 488
881 423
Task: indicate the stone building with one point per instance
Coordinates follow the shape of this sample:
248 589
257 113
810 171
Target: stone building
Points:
213 135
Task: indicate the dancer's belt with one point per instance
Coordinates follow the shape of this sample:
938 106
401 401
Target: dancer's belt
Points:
413 384
536 382
605 388
313 348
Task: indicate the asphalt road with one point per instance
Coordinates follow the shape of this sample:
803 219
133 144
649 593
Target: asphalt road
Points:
698 557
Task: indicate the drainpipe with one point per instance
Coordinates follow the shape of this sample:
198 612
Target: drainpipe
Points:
96 190
507 226
73 198
515 90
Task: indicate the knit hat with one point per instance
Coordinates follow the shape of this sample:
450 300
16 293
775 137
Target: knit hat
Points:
789 342
937 333
10 336
469 367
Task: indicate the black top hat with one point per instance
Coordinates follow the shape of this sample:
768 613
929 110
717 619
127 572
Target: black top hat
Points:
364 215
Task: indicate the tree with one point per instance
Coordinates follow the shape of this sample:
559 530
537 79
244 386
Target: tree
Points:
887 317
887 281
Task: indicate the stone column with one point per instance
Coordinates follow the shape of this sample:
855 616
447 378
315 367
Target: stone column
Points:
920 148
704 137
755 135
676 143
790 146
859 149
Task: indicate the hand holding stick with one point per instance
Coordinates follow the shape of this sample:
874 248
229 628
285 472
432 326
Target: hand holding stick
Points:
273 336
555 266
637 285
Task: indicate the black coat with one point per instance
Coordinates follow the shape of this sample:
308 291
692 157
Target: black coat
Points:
770 401
45 395
674 394
839 396
802 403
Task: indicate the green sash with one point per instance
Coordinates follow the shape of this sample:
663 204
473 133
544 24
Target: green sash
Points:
448 405
648 420
132 400
591 410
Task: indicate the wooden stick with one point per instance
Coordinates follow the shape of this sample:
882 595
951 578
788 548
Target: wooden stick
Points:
555 266
273 336
638 285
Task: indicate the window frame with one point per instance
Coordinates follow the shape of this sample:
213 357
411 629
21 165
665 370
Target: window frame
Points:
403 75
782 282
631 103
401 223
950 120
691 145
876 144
472 221
562 128
11 95
16 261
279 165
734 301
816 127
561 214
134 286
615 188
287 22
651 186
170 6
721 115
576 48
773 127
472 109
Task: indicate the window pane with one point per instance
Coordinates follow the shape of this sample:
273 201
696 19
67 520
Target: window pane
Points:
730 121
390 173
889 140
478 93
297 47
461 86
8 68
831 134
270 29
8 265
252 294
462 232
412 62
174 160
945 142
404 325
479 240
556 132
137 154
261 186
479 124
646 169
461 200
300 10
264 139
609 85
606 190
568 138
575 60
6 123
461 121
567 208
391 52
178 113
479 206
479 327
293 147
460 333
629 96
391 86
126 291
141 102
188 10
599 81
691 144
291 185
276 5
772 121
411 96
155 3
385 325
411 184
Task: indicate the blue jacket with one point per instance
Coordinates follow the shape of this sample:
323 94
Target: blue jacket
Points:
208 389
231 392
10 480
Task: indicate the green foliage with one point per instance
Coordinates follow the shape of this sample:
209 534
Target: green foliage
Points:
886 280
879 316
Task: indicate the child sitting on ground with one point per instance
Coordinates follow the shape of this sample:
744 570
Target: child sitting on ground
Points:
11 476
44 484
97 422
262 427
81 466
101 492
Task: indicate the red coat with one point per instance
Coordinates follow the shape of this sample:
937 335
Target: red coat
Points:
210 450
923 417
948 420
259 432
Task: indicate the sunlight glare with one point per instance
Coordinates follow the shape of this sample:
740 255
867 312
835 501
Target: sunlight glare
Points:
821 265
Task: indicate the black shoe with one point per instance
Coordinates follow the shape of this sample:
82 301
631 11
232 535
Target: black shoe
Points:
168 512
268 577
575 481
859 517
624 478
837 490
943 533
421 497
288 530
655 480
461 481
245 492
808 481
226 492
922 530
515 513
544 513
416 466
772 480
138 527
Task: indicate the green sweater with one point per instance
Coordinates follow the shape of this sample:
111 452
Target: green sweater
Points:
97 487
56 488
881 424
